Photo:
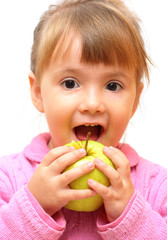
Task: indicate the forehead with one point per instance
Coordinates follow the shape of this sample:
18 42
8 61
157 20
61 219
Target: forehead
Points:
103 45
107 35
71 47
99 41
69 61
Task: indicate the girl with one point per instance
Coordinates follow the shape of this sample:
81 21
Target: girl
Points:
88 61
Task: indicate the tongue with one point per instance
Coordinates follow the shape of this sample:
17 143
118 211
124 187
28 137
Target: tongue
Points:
82 131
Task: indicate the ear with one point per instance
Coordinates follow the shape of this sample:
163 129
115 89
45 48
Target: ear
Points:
35 89
138 94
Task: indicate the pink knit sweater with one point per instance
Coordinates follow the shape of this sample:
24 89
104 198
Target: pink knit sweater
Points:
21 217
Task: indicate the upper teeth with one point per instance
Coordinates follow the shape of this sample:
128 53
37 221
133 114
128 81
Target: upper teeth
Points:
92 125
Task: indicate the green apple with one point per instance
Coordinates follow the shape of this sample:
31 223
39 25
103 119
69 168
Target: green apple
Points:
94 150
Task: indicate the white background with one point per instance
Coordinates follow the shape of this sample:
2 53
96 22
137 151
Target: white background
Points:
19 121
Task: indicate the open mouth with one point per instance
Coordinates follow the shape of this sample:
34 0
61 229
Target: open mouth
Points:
82 131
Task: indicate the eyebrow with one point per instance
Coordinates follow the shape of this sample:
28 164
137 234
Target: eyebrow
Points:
120 74
113 74
77 70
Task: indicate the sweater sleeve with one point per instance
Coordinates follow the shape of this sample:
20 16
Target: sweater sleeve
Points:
19 219
140 222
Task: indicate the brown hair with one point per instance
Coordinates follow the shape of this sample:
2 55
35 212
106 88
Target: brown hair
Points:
110 34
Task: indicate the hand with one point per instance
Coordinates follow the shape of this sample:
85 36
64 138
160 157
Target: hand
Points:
117 196
50 186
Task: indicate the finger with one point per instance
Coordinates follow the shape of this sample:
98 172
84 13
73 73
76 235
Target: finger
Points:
73 194
105 192
55 153
119 160
67 159
110 172
117 157
74 173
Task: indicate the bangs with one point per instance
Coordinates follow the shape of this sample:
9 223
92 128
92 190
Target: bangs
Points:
107 37
96 49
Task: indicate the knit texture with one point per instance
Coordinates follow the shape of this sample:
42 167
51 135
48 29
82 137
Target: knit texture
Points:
21 216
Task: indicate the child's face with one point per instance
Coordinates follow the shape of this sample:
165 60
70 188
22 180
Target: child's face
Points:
73 95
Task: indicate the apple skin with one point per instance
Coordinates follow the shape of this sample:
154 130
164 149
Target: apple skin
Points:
94 150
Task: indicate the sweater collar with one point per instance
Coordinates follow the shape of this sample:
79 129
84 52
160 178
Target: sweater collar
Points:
38 148
130 153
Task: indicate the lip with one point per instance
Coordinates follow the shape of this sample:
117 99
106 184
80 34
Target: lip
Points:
90 123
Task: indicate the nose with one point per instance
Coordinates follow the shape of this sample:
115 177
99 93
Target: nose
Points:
92 102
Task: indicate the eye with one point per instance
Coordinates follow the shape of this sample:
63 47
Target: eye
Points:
113 86
70 83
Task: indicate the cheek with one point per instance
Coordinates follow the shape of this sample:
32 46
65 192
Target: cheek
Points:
121 110
120 116
58 113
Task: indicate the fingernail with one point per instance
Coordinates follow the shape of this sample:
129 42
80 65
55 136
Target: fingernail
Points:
72 148
97 160
106 148
90 165
91 182
81 150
